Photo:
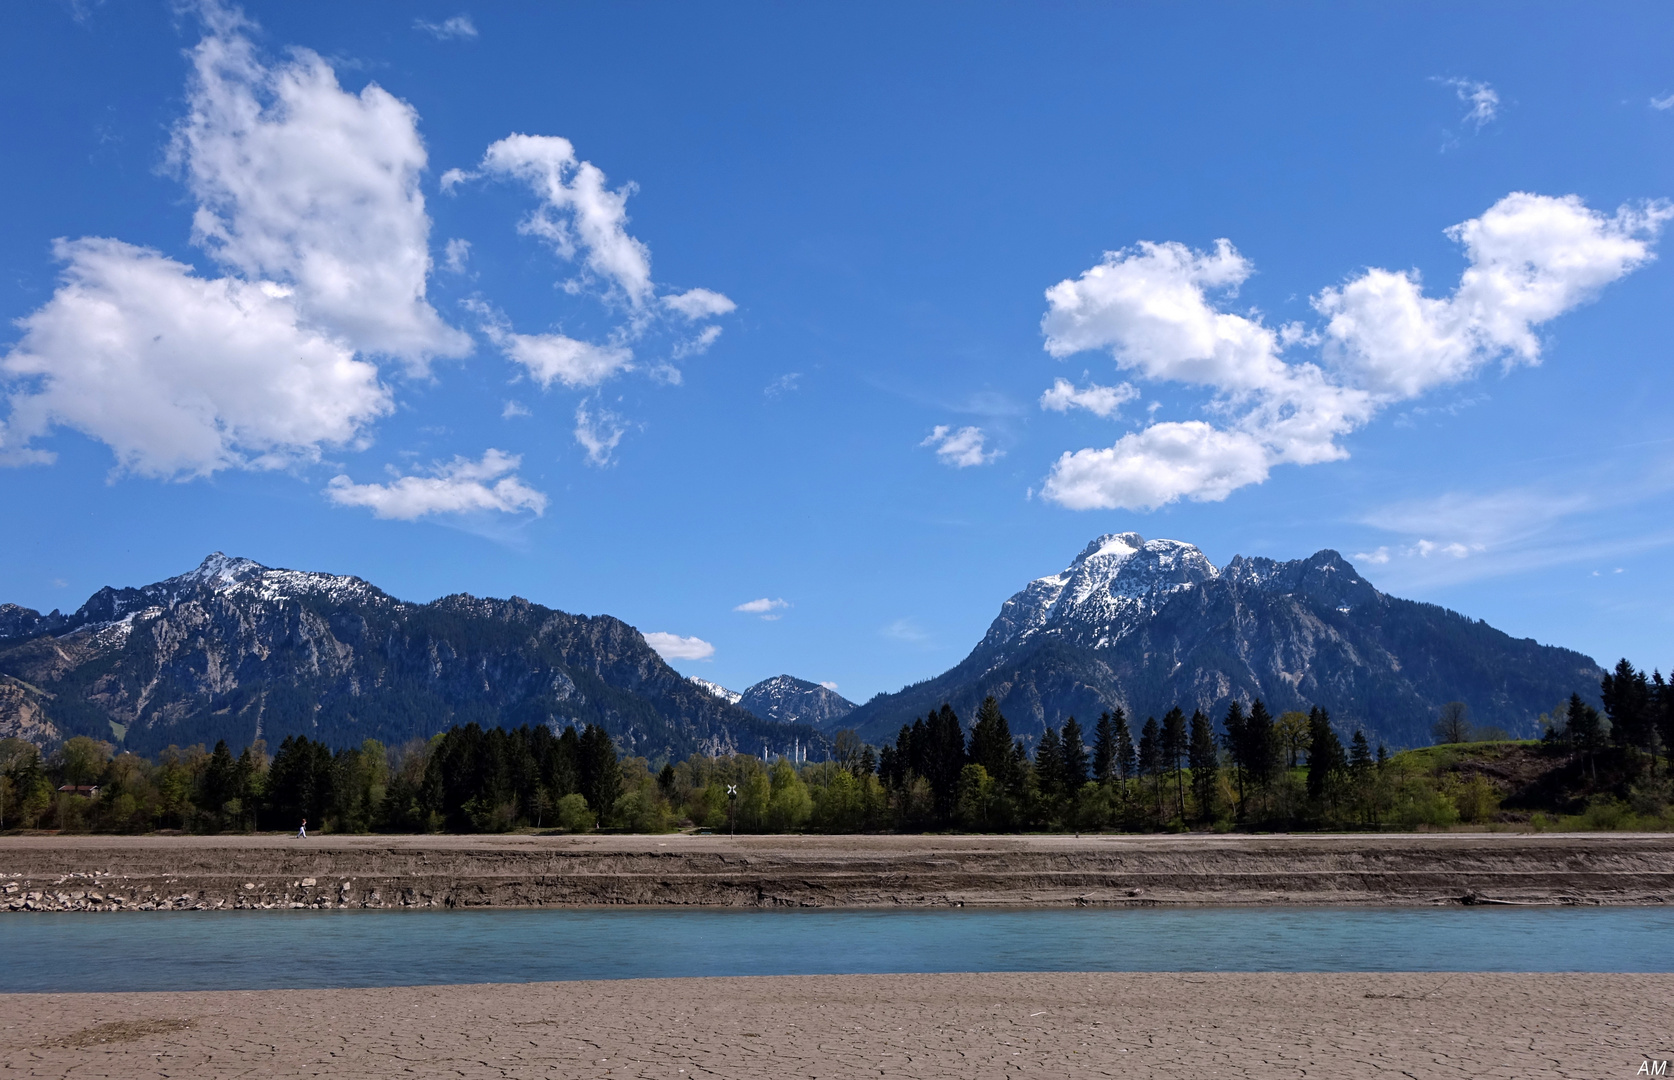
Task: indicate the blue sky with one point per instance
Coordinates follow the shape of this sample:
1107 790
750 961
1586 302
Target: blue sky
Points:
813 332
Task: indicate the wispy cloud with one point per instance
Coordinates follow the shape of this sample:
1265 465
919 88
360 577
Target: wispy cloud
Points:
1663 104
456 28
906 630
1484 102
784 384
767 608
599 432
1467 536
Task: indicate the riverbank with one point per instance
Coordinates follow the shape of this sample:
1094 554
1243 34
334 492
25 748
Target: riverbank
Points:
105 873
1256 1026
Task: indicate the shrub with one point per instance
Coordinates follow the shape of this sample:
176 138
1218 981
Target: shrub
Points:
574 814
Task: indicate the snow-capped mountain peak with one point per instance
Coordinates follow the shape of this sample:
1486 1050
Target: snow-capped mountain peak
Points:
219 572
1115 581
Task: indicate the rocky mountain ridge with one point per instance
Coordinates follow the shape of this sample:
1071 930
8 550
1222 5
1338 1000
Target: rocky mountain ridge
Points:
1145 625
237 650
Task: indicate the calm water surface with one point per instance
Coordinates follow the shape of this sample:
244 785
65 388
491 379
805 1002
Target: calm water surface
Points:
266 950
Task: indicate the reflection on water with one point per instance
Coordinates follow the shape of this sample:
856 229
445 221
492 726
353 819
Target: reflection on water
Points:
263 950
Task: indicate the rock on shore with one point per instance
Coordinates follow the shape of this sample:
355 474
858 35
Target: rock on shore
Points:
43 873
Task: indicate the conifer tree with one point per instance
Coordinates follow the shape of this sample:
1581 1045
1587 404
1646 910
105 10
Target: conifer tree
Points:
1204 758
1585 729
944 758
1360 755
991 743
1074 771
1174 752
1662 707
1237 745
1151 757
1325 754
1104 749
1627 702
601 772
1262 749
1127 760
1049 763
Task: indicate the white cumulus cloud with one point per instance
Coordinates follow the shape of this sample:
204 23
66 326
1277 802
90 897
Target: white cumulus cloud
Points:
301 181
182 375
696 304
308 197
960 448
555 358
1532 258
1157 466
829 686
675 647
457 487
1155 308
1104 401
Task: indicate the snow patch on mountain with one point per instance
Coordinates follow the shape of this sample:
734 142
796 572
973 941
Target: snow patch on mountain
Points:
731 697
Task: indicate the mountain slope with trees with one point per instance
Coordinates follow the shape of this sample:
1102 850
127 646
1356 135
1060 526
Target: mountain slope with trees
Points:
238 651
1148 625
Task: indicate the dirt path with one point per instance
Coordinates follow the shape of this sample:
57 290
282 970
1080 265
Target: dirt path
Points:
128 873
1477 1026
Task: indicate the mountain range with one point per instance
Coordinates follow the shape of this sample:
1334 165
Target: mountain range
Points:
241 651
236 650
1146 625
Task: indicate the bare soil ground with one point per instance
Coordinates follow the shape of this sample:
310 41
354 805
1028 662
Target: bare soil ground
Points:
103 873
1479 1026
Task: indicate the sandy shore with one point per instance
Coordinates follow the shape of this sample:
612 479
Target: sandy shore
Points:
102 873
954 1026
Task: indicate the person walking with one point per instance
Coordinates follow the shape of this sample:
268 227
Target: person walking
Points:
302 830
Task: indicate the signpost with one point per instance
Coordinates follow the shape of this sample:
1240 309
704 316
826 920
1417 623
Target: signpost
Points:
732 803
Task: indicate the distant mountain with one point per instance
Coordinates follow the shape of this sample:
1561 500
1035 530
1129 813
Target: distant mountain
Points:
729 696
1149 624
239 651
787 700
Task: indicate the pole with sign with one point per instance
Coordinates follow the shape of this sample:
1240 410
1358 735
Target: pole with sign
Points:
732 816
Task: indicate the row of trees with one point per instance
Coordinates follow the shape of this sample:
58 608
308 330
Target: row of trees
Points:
1248 768
467 779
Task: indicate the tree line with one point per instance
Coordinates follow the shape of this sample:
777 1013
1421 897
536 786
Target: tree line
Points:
1244 769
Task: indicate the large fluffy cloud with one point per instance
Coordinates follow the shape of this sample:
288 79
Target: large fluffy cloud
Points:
1158 309
183 375
457 487
300 181
308 197
1532 258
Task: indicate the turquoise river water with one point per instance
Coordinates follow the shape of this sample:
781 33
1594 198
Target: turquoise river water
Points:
263 950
